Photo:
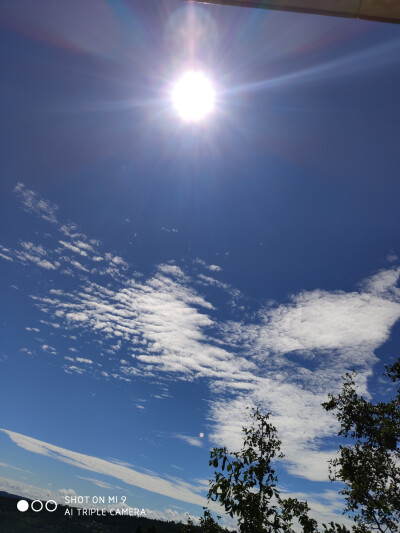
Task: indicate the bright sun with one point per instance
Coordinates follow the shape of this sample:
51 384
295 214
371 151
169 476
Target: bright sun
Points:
193 96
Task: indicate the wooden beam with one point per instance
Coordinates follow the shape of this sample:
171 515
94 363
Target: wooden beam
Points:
377 10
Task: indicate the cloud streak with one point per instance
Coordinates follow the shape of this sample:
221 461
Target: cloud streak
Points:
178 489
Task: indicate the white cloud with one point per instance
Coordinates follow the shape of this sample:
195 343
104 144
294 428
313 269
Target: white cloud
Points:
321 320
116 260
84 245
193 441
326 506
209 281
169 515
5 465
302 349
178 490
4 249
73 369
32 492
83 360
98 483
392 257
383 283
6 257
36 254
173 271
78 265
213 268
49 349
32 202
286 358
66 492
77 317
164 315
62 258
291 414
73 248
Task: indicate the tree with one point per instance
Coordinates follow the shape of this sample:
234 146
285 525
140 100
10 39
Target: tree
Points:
189 527
370 466
207 525
246 483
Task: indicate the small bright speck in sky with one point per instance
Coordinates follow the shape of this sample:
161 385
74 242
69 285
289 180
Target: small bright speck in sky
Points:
193 96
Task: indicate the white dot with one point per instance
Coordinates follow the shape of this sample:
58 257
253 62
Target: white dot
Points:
22 506
201 435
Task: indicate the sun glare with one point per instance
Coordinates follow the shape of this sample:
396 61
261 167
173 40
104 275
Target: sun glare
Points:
193 96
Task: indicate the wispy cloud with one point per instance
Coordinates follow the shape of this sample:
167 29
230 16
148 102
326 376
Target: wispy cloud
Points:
326 506
5 465
99 483
391 257
32 203
70 244
162 322
320 320
170 230
209 281
193 441
33 492
83 360
285 358
74 248
178 490
5 253
36 254
212 268
49 349
302 348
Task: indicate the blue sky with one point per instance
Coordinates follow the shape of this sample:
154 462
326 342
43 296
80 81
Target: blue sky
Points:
158 276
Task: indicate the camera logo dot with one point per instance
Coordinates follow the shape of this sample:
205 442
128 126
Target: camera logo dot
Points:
22 506
37 506
52 507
